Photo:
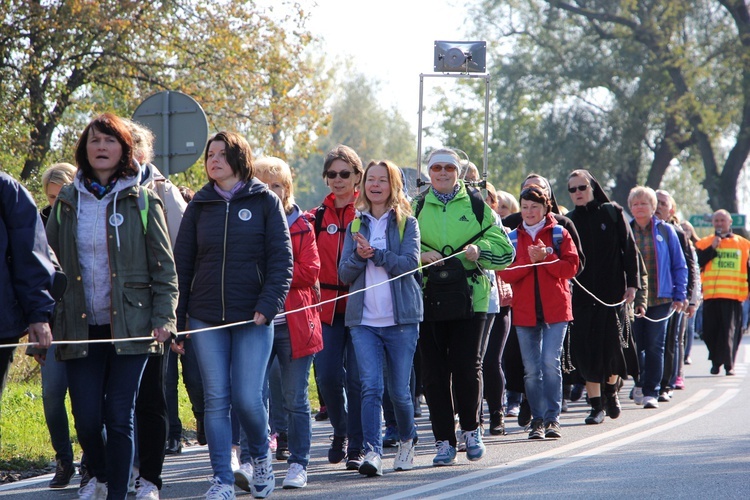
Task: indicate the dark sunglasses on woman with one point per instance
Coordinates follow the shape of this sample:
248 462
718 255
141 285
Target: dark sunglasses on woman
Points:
345 174
579 188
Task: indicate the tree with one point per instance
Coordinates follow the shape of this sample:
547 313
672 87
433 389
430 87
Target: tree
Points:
628 88
246 66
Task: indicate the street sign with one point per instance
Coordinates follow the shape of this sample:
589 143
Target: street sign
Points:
180 128
704 220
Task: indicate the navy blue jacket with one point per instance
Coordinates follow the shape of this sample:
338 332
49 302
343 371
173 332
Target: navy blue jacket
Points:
26 270
233 258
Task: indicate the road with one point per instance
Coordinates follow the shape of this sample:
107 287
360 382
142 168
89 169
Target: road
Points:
696 446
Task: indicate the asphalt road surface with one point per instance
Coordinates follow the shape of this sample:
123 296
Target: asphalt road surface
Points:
695 446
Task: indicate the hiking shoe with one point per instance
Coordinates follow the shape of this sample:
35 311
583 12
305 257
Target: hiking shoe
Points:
354 459
524 413
263 479
244 476
650 402
282 446
497 423
146 490
446 454
174 446
474 446
296 477
595 417
405 455
576 392
537 429
338 449
94 490
612 405
219 491
372 465
552 430
637 395
390 437
63 472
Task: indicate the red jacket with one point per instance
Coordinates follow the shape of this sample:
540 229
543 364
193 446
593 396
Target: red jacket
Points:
305 332
330 245
551 280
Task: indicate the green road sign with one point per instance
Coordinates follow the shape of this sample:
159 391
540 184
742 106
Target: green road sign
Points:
704 220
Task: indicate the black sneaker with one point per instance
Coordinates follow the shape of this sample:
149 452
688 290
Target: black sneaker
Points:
524 413
595 417
612 404
497 423
282 446
354 459
552 430
576 392
537 429
338 449
321 415
174 446
83 470
63 472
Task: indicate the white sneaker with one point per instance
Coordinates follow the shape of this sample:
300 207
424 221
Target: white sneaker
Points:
404 456
219 491
638 395
263 479
94 490
146 490
235 458
296 477
244 476
460 443
650 402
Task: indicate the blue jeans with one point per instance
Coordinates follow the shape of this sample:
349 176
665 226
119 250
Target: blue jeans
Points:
277 416
103 388
338 381
294 403
649 340
541 347
392 348
54 390
236 354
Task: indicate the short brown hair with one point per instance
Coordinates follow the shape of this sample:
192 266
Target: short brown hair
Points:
537 194
113 125
345 153
238 153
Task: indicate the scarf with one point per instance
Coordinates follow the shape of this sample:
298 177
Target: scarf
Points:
445 198
227 195
97 189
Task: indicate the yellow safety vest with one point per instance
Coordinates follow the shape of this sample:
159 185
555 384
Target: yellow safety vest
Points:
725 276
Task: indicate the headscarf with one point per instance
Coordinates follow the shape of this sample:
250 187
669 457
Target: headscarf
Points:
599 194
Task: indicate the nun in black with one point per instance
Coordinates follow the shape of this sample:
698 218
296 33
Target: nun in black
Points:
598 331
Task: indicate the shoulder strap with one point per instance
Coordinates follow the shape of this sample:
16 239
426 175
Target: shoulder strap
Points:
319 219
143 208
477 204
513 237
420 202
557 237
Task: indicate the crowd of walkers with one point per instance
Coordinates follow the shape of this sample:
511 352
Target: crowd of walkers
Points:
459 295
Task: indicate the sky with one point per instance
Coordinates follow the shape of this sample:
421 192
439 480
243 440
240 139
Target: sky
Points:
391 40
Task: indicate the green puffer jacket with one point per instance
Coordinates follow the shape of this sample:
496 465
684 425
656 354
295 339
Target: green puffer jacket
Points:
142 273
445 227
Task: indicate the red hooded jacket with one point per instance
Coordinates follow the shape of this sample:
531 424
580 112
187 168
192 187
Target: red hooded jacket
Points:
550 281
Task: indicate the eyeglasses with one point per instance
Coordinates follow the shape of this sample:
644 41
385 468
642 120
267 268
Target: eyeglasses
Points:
573 189
345 174
447 168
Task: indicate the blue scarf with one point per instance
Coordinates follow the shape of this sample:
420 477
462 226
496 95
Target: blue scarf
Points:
97 189
445 198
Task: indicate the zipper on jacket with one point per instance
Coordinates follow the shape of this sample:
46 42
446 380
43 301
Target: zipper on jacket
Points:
224 265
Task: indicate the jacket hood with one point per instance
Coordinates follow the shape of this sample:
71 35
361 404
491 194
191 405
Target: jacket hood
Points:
208 193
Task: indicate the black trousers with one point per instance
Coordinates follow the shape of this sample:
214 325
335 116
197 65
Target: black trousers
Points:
492 370
451 353
152 420
722 323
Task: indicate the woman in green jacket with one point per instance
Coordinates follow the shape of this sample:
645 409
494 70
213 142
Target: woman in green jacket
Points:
111 239
450 221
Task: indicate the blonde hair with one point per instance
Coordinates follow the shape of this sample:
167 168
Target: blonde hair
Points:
143 142
643 192
396 199
271 167
59 173
508 199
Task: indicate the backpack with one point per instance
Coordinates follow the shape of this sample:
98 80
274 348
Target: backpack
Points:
142 208
477 204
557 237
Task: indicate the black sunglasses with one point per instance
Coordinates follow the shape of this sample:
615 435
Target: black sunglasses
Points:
573 189
345 174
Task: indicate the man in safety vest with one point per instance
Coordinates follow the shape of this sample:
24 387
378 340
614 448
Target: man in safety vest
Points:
725 275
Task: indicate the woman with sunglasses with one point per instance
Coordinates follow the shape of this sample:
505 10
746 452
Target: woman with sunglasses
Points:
336 365
451 348
546 259
612 276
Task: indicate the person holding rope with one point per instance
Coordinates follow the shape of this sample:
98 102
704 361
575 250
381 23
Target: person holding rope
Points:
667 290
234 261
546 259
610 279
454 224
383 243
111 239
